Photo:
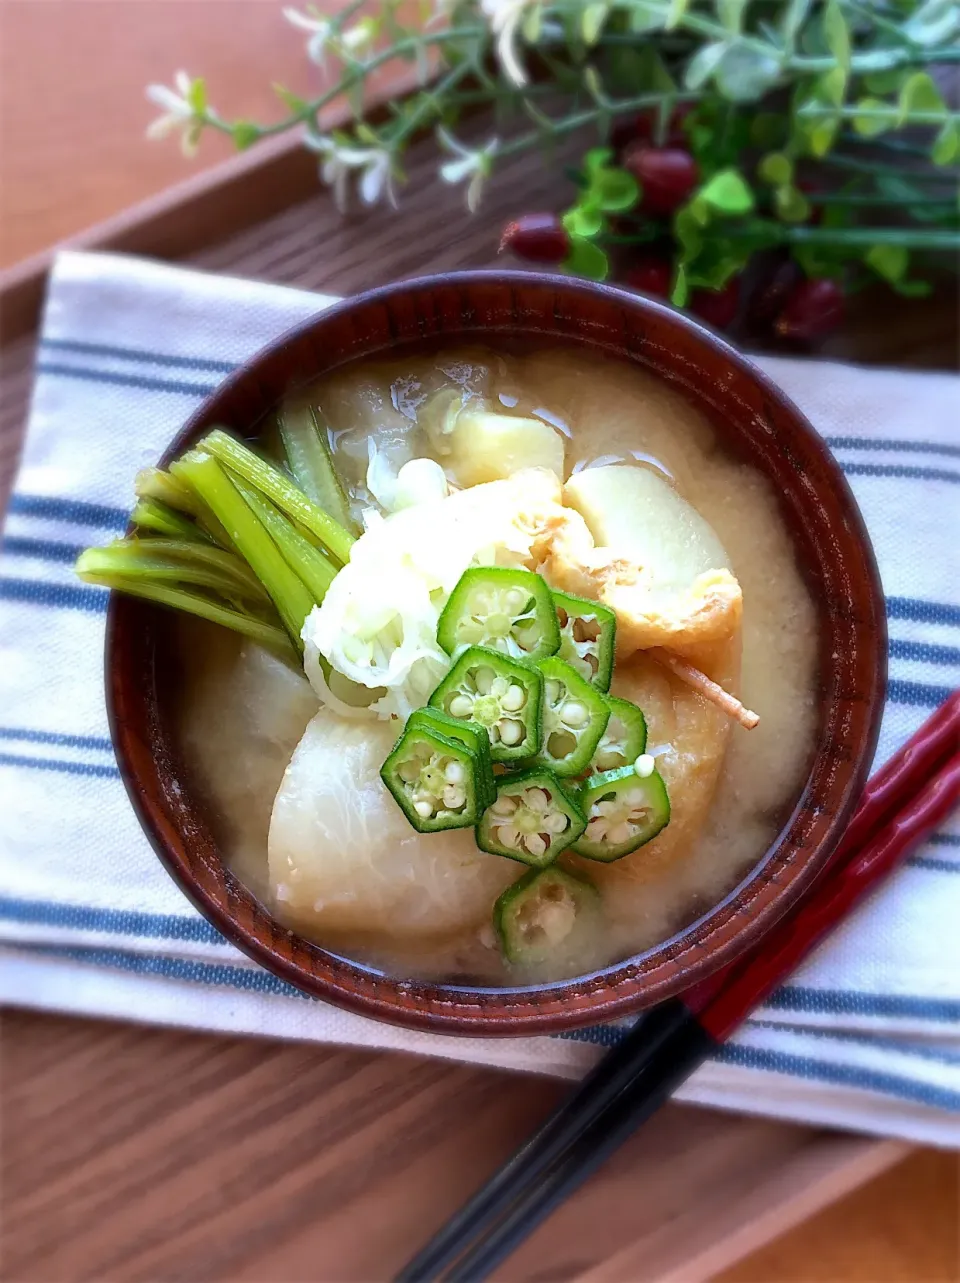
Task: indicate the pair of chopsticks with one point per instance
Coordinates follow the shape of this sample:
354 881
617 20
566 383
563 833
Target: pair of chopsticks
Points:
903 802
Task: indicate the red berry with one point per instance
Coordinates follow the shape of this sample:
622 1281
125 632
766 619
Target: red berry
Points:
667 176
813 310
541 238
717 307
650 275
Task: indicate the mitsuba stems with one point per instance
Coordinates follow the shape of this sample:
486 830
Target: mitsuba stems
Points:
293 599
193 603
178 562
289 498
304 438
154 483
158 519
303 557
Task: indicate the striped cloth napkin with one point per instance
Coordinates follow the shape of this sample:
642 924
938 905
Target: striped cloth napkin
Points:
866 1036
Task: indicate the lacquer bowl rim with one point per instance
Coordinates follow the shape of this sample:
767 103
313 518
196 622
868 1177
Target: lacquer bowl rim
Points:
624 324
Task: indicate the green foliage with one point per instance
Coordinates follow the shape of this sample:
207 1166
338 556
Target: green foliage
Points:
799 107
604 191
776 168
586 259
890 262
919 94
726 193
946 145
245 134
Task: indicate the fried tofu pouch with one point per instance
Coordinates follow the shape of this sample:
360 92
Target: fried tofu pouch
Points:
689 736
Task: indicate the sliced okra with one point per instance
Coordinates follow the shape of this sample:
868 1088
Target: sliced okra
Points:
535 918
532 820
588 633
469 733
435 780
623 811
509 610
624 739
574 716
498 693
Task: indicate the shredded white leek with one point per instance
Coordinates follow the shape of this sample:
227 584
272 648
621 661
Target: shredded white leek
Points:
416 481
377 624
314 671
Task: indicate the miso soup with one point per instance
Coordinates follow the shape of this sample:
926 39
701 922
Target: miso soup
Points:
492 490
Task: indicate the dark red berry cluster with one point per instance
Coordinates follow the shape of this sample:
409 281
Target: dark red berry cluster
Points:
779 299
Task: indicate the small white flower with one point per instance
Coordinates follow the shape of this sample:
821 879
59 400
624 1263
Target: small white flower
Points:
178 114
468 162
506 18
356 40
319 28
339 160
442 10
324 36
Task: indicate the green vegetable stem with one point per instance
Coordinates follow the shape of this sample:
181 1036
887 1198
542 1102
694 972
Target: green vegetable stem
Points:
118 567
304 438
293 600
275 485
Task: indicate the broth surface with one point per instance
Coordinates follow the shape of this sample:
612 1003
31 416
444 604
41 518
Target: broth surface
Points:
243 713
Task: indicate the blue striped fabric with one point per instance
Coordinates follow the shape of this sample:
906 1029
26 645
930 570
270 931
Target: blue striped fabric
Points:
868 1033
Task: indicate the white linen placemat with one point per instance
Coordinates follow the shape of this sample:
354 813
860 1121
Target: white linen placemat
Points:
865 1036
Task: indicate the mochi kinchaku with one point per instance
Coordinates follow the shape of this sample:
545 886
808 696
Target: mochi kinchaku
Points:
491 665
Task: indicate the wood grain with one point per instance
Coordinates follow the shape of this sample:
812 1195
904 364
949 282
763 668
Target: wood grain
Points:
143 1154
133 1154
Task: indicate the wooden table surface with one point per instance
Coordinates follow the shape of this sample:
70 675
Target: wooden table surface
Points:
143 1154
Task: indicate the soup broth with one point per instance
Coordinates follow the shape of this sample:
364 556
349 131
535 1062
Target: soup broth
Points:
344 867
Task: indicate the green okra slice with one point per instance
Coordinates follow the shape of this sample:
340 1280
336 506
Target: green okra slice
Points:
469 733
536 917
532 820
588 634
434 779
500 694
624 810
574 716
624 738
509 610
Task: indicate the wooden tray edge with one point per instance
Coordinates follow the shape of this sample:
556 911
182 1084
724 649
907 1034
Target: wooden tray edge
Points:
696 1248
218 202
221 200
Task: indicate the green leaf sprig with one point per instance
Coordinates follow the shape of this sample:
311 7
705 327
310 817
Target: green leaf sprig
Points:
818 125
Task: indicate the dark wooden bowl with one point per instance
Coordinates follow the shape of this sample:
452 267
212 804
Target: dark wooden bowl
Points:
755 421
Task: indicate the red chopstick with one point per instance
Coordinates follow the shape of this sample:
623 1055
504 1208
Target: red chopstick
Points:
744 984
724 1000
903 802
